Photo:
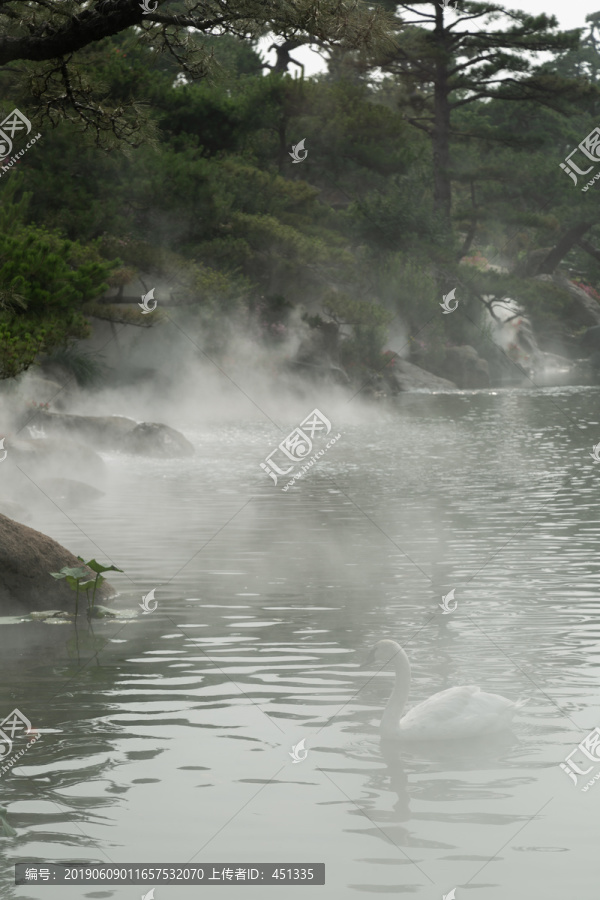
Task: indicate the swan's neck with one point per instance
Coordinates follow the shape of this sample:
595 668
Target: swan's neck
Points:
397 701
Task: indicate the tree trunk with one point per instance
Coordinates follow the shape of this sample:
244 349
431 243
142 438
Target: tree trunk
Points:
558 252
442 197
589 248
281 156
472 230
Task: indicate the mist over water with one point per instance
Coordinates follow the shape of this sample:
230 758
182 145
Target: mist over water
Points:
167 737
339 467
176 380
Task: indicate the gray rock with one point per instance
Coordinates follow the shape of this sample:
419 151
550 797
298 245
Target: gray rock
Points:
101 432
590 342
100 612
320 371
26 559
116 433
50 614
467 369
154 439
414 378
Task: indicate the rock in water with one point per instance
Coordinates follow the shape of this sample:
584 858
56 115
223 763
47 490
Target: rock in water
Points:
154 439
101 432
413 378
113 433
101 612
466 368
26 559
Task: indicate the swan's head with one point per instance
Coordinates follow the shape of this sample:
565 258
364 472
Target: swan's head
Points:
384 654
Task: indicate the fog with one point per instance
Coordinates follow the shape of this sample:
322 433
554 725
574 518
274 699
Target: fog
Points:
298 567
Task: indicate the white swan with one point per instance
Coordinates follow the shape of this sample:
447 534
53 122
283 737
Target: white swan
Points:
458 712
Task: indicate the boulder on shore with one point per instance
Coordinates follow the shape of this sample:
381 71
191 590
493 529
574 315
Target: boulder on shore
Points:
414 378
117 434
102 432
466 367
26 559
320 372
155 439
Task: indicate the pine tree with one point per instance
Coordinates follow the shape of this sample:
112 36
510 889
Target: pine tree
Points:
49 42
446 64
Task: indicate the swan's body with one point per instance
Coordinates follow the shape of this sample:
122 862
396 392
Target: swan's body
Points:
458 712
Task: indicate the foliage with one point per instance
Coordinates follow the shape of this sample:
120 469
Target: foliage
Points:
369 323
345 310
75 574
210 208
85 367
59 47
44 280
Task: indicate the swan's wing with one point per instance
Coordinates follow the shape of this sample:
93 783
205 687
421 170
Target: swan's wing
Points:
439 710
458 711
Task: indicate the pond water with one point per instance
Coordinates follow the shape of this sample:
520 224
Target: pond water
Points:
167 738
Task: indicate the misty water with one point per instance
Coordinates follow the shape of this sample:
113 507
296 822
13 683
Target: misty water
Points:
167 737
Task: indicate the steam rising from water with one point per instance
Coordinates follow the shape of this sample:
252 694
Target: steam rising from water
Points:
159 374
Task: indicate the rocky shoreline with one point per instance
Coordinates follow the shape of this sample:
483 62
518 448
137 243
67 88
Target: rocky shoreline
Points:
27 557
59 458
